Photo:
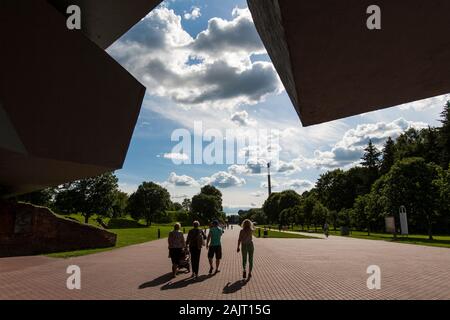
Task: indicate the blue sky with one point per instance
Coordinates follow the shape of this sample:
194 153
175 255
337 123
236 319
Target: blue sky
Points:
203 61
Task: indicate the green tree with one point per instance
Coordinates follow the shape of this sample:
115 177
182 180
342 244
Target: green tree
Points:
371 160
367 212
183 217
288 199
205 207
344 217
333 217
101 195
377 206
330 186
299 216
411 182
271 207
359 216
186 204
430 148
43 197
277 202
258 216
213 191
357 183
444 136
407 144
89 196
388 156
285 217
371 157
319 215
443 185
176 206
337 189
120 204
148 200
307 205
444 189
66 199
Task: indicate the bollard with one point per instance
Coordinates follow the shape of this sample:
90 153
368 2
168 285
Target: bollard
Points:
159 233
259 232
184 230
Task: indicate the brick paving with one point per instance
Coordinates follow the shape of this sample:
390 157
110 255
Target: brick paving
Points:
333 268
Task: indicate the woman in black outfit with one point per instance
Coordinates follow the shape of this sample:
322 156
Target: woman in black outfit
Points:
195 240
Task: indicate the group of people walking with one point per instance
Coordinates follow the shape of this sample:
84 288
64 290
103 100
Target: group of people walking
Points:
197 239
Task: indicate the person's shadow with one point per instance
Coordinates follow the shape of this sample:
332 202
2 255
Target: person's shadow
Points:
185 282
157 282
234 287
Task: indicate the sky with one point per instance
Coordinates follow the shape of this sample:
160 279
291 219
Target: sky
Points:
204 65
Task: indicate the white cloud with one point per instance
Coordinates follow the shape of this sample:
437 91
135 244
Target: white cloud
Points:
241 119
258 166
181 181
421 105
231 39
193 15
273 183
255 166
252 166
238 169
191 72
258 151
210 76
258 194
287 168
180 196
349 150
127 187
223 179
176 156
377 132
298 184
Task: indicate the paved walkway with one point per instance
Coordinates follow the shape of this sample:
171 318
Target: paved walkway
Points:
333 268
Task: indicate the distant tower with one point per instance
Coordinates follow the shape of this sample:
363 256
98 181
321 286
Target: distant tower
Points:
268 178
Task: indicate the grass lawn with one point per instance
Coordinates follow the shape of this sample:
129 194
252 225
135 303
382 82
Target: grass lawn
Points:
438 241
419 239
277 234
125 236
78 217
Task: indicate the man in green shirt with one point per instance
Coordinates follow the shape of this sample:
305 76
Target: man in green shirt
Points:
214 245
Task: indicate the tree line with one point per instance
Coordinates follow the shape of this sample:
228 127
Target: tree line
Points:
150 202
412 171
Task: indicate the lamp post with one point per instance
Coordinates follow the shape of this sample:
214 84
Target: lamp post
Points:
268 178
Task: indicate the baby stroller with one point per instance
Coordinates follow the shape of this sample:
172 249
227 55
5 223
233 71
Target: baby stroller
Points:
185 260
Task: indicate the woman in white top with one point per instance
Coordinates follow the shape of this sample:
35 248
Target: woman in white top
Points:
176 245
